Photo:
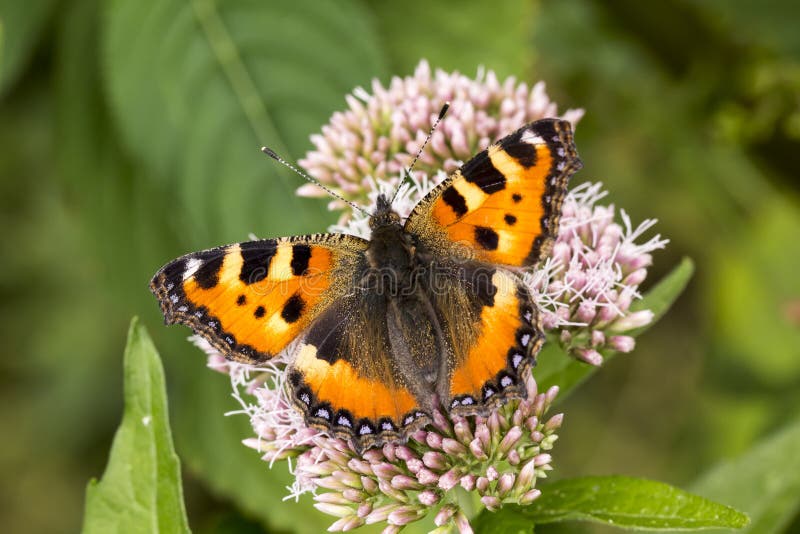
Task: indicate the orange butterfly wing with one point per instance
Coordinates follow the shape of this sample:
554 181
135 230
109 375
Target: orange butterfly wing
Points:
250 300
503 205
346 381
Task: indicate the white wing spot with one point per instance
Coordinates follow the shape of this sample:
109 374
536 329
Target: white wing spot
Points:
344 421
192 264
526 338
531 138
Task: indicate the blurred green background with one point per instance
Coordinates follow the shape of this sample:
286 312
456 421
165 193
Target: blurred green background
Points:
129 135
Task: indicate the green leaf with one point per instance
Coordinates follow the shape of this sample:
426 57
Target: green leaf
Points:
22 24
141 487
661 297
764 482
558 368
631 503
492 34
503 522
198 87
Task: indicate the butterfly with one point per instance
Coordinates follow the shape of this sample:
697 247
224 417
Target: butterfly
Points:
429 314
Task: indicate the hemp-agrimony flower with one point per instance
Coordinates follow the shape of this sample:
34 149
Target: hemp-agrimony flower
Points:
378 136
584 289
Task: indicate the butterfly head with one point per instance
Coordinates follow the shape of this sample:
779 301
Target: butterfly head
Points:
384 214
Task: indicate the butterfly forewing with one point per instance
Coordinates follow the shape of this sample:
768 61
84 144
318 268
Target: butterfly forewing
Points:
250 300
503 205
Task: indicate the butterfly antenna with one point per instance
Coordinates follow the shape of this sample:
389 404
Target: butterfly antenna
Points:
269 152
442 113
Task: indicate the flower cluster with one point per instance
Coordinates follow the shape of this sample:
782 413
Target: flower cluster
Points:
378 136
398 484
585 290
498 458
587 285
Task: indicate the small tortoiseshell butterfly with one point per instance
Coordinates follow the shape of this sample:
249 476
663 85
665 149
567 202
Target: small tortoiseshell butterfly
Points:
428 314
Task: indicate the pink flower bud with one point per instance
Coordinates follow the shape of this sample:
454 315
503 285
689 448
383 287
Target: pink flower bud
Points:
434 440
404 515
586 312
369 484
463 431
434 460
429 497
380 513
385 470
331 497
633 320
404 453
505 483
427 477
447 511
529 496
468 482
462 524
527 475
492 474
346 523
491 502
359 466
590 356
636 277
364 510
622 343
415 465
405 482
483 434
337 510
353 495
449 480
598 338
476 448
510 439
554 423
390 491
453 447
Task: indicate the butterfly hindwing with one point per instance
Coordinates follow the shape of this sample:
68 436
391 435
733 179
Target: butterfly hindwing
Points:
370 374
346 379
507 336
503 205
250 300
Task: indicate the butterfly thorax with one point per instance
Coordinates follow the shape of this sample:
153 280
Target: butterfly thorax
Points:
391 249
